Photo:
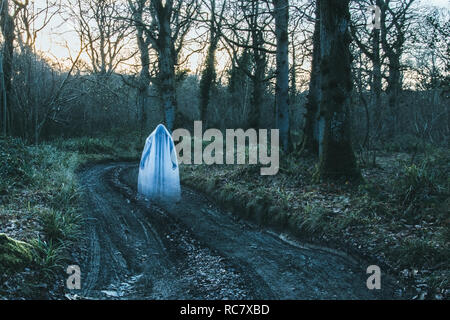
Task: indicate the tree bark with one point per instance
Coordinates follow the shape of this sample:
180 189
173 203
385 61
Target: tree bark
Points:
3 110
7 28
144 77
293 89
377 77
166 58
310 139
281 8
393 52
393 91
208 77
337 159
258 81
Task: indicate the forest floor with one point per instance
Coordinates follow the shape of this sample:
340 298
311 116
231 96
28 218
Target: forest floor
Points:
192 249
40 215
397 218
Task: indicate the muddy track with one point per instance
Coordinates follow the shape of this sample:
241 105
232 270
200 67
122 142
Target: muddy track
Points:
194 250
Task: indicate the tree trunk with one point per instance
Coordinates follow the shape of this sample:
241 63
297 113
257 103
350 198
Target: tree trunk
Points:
258 82
376 81
166 56
281 8
144 76
208 78
142 103
7 28
310 139
393 91
256 101
393 53
337 159
3 99
167 86
293 89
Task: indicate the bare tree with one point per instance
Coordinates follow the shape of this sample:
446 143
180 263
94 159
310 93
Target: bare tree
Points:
396 19
430 47
6 59
166 24
105 36
208 76
368 41
32 20
29 22
247 29
143 41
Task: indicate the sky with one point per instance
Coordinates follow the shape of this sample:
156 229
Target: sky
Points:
58 40
58 34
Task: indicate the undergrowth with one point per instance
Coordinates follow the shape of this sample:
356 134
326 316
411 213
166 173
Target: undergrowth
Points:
39 205
398 213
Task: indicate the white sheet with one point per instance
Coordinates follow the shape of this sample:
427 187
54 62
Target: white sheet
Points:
159 178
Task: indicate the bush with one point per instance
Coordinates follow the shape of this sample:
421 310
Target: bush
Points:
58 226
316 219
407 143
15 163
419 253
424 183
40 183
116 146
48 256
86 145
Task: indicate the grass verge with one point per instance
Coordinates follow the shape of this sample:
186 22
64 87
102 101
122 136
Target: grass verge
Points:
40 219
397 218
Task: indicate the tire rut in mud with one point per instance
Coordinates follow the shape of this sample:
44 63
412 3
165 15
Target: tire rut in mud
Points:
193 250
137 251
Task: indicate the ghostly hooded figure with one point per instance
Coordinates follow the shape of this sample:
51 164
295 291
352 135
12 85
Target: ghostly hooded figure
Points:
158 171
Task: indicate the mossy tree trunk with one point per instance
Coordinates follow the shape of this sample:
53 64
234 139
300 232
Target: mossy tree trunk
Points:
337 159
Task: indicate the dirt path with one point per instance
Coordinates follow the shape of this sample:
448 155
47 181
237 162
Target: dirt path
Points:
193 250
